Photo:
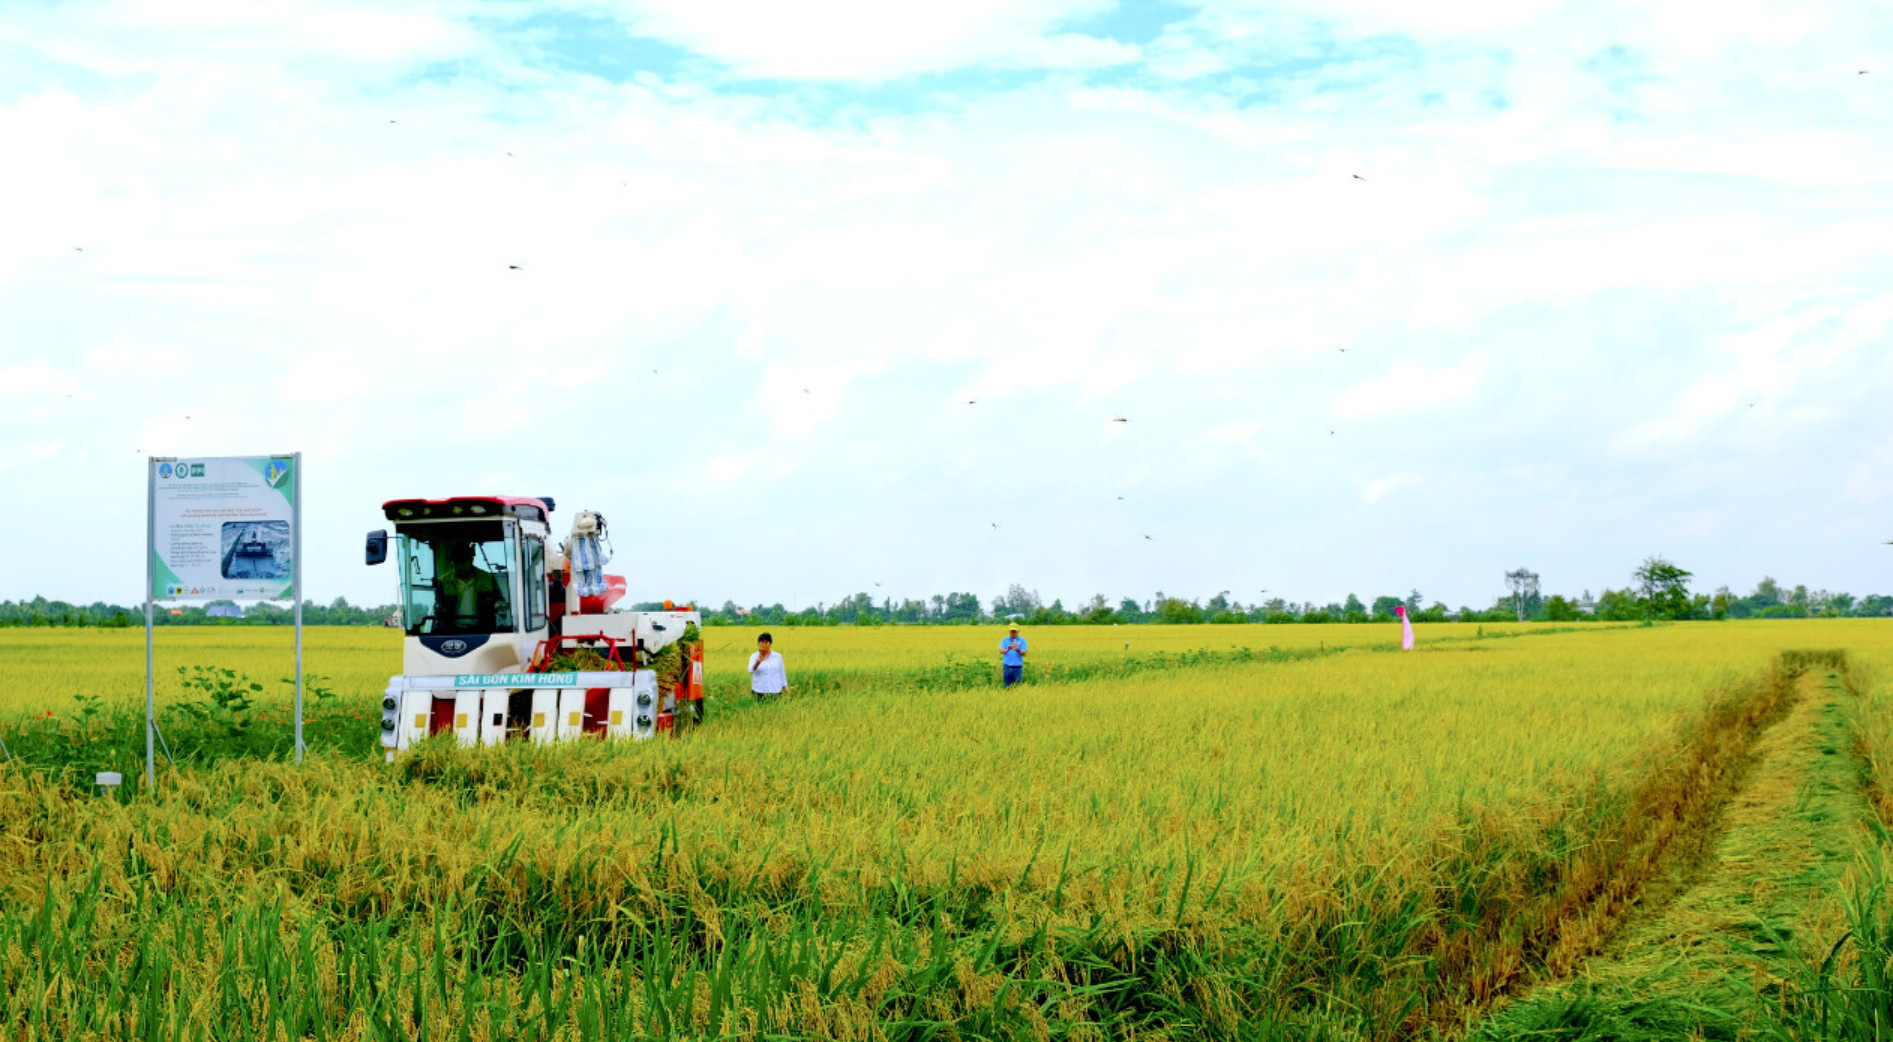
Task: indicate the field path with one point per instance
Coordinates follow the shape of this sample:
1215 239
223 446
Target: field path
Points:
1701 963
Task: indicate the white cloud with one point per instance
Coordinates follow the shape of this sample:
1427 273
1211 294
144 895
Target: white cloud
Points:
1377 489
35 382
1752 385
19 457
873 41
1407 389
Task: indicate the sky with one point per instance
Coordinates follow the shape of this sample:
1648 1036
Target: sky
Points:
807 299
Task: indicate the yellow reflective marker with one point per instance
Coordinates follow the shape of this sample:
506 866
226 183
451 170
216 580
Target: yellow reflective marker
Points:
420 721
538 719
617 717
460 721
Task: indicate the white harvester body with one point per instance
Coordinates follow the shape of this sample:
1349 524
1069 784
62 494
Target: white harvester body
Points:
491 607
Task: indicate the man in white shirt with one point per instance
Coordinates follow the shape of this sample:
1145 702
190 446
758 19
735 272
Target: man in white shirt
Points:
767 678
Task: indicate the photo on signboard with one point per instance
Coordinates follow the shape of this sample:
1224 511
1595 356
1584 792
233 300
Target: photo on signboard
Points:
256 549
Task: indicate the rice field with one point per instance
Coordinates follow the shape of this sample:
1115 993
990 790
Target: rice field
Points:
1347 844
45 668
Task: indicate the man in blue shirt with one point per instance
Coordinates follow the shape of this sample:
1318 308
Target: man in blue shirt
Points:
1012 662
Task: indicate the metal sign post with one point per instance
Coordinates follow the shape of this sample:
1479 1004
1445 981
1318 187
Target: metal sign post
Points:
151 557
221 527
295 561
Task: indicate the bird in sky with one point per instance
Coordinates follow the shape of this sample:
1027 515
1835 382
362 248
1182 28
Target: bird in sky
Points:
510 154
972 401
807 391
81 249
512 267
1146 535
995 524
1120 419
391 121
1358 177
1120 498
877 584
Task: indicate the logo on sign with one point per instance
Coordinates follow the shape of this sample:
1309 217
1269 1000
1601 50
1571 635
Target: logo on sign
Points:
164 470
453 647
197 470
276 472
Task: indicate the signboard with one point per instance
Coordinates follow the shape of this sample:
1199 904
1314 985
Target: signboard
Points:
223 528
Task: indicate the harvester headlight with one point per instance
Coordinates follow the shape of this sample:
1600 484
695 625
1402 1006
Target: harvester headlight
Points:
643 721
387 725
389 704
644 699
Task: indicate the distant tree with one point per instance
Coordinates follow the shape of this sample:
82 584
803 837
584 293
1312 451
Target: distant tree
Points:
1874 605
1413 602
1175 610
1384 606
1619 606
961 607
1560 609
1664 588
1521 585
1799 598
1719 604
1767 593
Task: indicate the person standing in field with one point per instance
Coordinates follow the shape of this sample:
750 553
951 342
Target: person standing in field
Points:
767 678
1012 657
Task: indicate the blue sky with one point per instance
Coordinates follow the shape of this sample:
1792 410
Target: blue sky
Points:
1392 296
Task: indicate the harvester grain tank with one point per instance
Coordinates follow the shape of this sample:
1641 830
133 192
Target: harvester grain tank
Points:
512 637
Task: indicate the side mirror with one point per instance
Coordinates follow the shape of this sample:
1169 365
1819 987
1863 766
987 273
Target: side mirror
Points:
377 551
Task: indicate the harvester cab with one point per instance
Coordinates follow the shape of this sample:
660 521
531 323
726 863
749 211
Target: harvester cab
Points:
512 637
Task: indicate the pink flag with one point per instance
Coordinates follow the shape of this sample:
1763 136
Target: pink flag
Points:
1406 629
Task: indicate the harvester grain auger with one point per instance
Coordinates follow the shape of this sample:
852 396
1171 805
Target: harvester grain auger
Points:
513 638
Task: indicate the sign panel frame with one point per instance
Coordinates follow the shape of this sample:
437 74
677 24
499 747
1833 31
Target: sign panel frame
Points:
226 523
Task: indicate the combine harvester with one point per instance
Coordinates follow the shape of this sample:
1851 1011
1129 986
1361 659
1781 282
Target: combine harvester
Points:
513 638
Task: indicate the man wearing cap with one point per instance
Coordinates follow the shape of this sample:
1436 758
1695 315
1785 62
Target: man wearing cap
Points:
1012 657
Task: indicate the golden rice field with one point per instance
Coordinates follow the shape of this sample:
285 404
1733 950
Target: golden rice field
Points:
1361 845
46 667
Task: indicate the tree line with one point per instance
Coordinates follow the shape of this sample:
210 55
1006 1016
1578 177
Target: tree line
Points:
1658 589
42 612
